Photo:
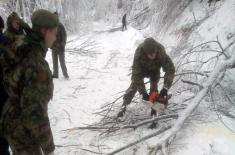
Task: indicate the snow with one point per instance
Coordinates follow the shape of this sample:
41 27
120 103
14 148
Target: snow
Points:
101 74
210 139
94 80
98 78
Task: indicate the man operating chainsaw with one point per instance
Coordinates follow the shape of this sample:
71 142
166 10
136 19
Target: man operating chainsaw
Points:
149 58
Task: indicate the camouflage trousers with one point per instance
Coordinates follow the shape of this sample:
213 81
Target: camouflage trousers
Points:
19 137
59 53
124 26
131 91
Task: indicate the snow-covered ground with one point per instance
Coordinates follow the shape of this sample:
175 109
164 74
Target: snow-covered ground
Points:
98 77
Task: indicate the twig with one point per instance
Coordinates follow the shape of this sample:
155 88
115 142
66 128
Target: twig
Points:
192 83
79 148
133 126
226 94
217 113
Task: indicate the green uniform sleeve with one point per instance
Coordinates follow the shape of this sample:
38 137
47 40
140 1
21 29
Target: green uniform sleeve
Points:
34 102
168 68
137 75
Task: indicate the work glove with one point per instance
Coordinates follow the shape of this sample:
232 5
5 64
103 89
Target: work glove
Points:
153 96
145 96
163 92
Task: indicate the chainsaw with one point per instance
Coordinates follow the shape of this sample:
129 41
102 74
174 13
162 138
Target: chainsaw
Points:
157 102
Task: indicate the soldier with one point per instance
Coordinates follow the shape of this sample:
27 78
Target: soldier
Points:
4 146
149 58
124 22
29 84
14 29
58 50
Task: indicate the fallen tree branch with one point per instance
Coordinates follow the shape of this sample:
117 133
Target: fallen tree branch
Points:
217 113
140 140
226 94
132 126
196 101
192 83
186 113
79 148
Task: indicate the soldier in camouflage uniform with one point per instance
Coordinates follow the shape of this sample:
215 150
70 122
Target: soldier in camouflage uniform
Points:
4 146
149 58
14 29
28 82
58 51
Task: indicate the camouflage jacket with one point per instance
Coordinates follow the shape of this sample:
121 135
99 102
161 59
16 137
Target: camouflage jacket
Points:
144 67
28 82
14 35
61 38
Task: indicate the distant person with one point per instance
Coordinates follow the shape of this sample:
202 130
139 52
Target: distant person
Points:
124 23
58 51
29 85
150 57
4 146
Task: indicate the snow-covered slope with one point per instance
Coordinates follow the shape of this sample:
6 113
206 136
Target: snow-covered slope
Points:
97 77
100 72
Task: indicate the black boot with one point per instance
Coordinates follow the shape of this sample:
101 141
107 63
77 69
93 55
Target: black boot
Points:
154 124
122 111
153 112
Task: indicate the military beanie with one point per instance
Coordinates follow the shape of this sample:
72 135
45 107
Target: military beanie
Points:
149 45
44 18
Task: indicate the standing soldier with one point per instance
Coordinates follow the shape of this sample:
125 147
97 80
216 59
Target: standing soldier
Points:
58 50
149 58
4 146
124 22
29 84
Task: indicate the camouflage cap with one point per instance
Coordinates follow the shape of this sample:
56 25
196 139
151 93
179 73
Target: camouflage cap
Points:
11 17
149 45
44 18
